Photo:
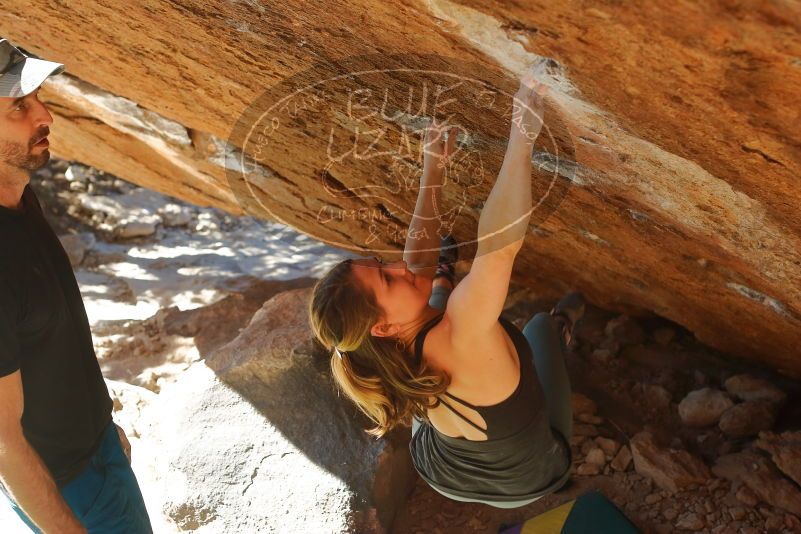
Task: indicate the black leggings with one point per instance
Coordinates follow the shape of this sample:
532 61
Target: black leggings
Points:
544 337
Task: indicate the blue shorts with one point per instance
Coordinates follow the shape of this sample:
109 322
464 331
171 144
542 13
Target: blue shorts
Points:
105 496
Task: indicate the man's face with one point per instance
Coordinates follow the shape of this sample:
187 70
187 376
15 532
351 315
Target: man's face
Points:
24 127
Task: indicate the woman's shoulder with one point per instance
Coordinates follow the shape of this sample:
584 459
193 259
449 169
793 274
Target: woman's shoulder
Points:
436 345
462 345
484 363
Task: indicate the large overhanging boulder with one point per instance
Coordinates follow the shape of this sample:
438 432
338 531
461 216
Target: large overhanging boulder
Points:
675 127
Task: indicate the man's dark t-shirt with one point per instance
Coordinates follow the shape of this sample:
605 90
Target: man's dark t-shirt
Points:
44 332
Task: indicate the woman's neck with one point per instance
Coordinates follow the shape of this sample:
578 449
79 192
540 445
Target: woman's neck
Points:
410 330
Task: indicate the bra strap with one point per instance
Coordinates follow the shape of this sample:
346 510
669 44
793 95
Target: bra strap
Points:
418 340
460 401
462 416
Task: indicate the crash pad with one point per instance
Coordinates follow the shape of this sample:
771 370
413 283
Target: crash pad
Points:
592 513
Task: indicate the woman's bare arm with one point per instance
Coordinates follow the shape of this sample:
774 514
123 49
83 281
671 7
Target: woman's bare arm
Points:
421 250
506 213
477 302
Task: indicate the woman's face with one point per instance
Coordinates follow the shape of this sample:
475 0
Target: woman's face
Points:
399 292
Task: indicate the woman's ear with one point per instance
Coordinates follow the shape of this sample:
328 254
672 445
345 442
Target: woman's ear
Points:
381 330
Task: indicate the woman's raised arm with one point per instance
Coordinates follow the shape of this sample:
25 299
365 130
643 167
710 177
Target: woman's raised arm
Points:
477 302
505 216
421 250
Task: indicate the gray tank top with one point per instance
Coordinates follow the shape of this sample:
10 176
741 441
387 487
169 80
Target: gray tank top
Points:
522 458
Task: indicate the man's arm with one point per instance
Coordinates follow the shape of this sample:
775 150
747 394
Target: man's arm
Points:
23 473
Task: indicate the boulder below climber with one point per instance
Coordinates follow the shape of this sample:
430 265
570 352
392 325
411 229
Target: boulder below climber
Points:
257 437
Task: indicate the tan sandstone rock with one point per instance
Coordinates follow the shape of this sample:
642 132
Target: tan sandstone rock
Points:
583 405
762 477
746 387
748 418
670 469
785 451
622 460
678 125
704 407
257 438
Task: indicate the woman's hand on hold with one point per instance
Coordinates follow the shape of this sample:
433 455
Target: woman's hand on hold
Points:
437 150
528 107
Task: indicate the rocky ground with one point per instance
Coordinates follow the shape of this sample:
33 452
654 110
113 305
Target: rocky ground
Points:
680 437
143 260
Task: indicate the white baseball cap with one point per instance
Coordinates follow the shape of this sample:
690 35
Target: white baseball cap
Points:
20 74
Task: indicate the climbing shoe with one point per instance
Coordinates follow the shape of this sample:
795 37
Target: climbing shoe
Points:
566 313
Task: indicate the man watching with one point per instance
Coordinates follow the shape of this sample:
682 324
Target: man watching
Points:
64 464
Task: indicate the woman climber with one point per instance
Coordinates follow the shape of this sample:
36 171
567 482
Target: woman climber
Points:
489 406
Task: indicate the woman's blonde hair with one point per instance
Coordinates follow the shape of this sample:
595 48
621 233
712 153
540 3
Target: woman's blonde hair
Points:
386 383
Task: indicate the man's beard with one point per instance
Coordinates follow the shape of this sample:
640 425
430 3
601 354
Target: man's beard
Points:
19 156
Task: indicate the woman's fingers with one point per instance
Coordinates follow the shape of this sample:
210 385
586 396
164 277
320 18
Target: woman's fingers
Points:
434 130
450 147
437 147
537 94
528 80
435 134
531 82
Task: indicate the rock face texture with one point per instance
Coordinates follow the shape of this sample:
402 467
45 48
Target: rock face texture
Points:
670 469
704 407
762 477
785 450
256 438
676 127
